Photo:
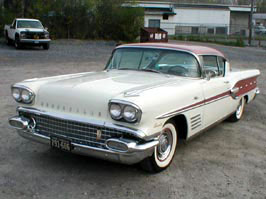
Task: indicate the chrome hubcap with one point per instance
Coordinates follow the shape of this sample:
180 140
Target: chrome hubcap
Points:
165 145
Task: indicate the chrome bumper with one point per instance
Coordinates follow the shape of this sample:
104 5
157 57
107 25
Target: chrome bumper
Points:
134 152
257 92
35 41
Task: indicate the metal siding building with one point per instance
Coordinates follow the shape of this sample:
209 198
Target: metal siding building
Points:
195 18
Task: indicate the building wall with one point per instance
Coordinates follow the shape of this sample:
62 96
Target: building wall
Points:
220 17
186 18
168 25
239 23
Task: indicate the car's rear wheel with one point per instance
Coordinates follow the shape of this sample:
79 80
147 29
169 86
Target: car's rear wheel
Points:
237 115
164 152
8 41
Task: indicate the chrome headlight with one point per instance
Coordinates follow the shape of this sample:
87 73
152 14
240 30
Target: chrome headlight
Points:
16 94
22 36
22 94
124 111
115 111
46 35
130 113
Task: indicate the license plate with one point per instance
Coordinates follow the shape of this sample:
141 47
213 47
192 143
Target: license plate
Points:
36 42
60 143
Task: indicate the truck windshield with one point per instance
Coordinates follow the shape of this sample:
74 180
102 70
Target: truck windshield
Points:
29 24
170 62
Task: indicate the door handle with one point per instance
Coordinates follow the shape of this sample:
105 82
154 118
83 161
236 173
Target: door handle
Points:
226 82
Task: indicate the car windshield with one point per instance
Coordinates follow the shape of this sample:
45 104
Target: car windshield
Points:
29 24
170 62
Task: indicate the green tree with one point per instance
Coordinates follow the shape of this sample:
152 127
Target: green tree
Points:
116 21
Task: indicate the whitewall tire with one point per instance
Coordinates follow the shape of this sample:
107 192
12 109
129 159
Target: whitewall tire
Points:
164 152
237 115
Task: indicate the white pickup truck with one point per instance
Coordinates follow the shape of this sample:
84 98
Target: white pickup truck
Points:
27 32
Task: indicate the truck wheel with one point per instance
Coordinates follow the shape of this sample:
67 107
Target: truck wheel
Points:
46 46
8 41
164 152
17 43
237 115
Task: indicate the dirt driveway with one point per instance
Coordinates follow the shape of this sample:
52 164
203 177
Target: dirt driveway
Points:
228 161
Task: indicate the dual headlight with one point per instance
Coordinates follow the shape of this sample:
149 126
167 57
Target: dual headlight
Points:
124 111
22 94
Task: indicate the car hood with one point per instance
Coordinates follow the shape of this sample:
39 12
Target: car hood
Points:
90 93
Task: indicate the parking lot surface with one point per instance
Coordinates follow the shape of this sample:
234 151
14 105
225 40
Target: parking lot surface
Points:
227 161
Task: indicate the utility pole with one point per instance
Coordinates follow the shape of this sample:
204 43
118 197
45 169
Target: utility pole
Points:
251 23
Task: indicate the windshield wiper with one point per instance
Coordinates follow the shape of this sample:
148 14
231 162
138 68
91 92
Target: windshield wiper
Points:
150 70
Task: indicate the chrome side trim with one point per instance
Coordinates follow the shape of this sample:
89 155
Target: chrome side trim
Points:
134 132
234 92
190 107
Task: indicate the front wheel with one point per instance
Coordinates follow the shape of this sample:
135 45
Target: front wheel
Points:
17 43
237 115
46 46
164 152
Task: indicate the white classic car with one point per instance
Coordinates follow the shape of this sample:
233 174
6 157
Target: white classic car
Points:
148 98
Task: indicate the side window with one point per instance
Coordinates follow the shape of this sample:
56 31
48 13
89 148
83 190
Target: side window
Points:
154 23
221 62
210 65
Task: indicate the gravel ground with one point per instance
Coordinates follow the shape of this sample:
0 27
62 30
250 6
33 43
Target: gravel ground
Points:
228 161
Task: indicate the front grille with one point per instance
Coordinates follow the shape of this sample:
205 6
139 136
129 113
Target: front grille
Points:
76 132
35 35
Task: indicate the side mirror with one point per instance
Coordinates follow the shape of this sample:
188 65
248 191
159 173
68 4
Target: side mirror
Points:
46 28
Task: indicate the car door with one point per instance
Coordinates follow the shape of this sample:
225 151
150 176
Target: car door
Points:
216 89
13 30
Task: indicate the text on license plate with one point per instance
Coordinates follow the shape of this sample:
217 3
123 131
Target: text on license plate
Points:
60 143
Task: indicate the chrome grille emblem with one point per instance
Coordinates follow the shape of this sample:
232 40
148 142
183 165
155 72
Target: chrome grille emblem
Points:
98 134
32 125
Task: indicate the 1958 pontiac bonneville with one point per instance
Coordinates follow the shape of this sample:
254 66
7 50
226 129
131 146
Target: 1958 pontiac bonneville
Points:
149 97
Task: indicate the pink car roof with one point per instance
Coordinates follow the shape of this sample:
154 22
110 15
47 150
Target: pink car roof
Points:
198 50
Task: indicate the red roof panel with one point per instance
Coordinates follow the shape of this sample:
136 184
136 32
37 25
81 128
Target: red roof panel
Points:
198 50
